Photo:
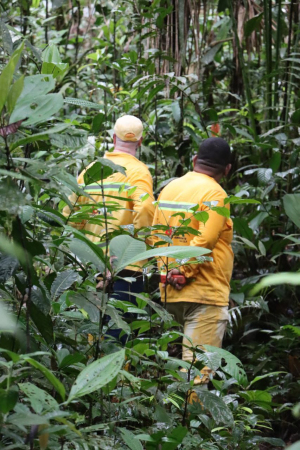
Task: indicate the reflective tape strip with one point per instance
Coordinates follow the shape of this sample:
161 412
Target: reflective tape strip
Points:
177 206
96 188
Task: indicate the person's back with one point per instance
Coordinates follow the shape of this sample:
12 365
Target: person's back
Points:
211 283
128 207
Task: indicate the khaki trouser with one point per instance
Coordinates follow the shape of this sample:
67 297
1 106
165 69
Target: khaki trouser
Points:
203 324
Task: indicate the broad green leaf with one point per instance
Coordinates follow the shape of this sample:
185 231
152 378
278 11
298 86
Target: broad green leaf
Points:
43 322
202 216
210 359
8 267
276 279
178 252
240 201
215 406
88 301
291 203
295 446
124 248
233 365
85 253
7 74
8 399
9 247
222 211
130 440
35 86
267 375
43 136
39 399
82 103
292 328
62 282
253 24
27 419
69 360
58 386
100 170
38 109
97 374
14 93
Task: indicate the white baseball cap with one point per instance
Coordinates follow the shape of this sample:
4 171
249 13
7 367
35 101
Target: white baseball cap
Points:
129 128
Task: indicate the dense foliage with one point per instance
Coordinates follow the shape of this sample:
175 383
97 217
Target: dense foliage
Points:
188 69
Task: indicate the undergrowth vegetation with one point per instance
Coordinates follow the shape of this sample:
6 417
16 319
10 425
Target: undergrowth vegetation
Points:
188 69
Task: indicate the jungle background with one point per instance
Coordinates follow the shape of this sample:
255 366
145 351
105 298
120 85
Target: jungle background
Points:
189 69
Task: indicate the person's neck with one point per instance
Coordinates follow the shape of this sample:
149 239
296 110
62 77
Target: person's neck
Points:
206 171
124 148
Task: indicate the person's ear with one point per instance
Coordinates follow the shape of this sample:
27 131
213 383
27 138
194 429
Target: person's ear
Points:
195 160
114 139
227 169
140 142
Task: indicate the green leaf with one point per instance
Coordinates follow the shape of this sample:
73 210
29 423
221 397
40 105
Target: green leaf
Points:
58 386
177 252
291 203
97 374
295 117
276 279
222 211
8 399
130 440
295 446
7 322
8 267
253 24
100 170
82 103
9 247
69 360
176 111
14 94
27 419
88 301
43 136
125 248
233 365
38 109
35 86
267 375
43 323
62 282
7 74
39 399
202 216
85 253
240 201
175 438
215 405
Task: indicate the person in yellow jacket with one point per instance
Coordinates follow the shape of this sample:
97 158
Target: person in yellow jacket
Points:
132 187
200 302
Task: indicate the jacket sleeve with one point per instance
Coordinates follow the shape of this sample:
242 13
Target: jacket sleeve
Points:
76 201
209 232
143 209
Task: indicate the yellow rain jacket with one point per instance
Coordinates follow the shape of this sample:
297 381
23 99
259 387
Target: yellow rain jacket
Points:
132 210
208 283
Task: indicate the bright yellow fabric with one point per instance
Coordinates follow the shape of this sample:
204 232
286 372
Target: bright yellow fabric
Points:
208 283
203 325
132 211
